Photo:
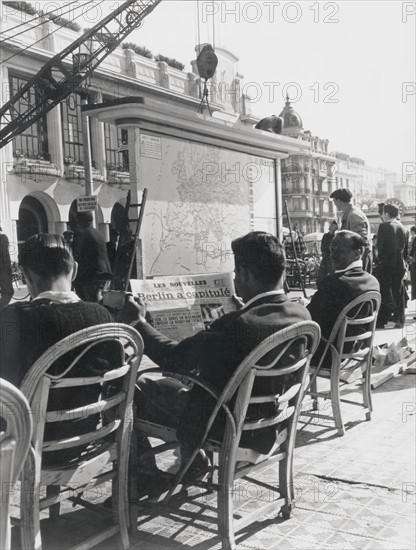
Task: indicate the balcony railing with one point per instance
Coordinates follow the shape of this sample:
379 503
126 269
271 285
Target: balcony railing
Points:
116 176
36 167
76 172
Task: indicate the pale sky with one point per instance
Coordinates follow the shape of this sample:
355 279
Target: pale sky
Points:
358 53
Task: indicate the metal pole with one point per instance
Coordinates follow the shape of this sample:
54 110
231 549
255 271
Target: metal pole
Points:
87 151
294 252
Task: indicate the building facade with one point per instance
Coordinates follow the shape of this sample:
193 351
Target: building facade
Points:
307 179
43 168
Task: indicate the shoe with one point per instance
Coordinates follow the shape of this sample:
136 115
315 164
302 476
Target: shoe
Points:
198 469
150 486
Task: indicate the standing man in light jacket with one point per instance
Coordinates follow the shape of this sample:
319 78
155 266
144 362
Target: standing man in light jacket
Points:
354 219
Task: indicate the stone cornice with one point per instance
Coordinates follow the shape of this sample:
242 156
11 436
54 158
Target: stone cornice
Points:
155 116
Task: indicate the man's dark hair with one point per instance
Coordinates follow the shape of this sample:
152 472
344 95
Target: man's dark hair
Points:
262 254
47 255
413 228
343 195
357 242
391 210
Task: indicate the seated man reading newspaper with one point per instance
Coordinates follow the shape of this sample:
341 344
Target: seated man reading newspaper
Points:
215 353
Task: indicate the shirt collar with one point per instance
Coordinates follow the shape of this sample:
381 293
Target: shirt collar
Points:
59 297
263 295
355 263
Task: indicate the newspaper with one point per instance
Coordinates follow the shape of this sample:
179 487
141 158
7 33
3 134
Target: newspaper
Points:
182 305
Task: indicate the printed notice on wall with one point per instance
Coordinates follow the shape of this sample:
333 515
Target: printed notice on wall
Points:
183 305
150 146
87 203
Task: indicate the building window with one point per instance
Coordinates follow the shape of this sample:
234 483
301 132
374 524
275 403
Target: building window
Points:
296 205
114 139
72 130
32 142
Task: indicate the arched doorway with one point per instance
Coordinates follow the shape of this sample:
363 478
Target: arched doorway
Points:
32 219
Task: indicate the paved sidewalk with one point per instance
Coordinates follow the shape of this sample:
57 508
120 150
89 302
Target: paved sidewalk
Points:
355 492
352 492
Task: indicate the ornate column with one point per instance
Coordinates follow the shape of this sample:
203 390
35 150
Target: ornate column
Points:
279 209
55 145
6 163
98 140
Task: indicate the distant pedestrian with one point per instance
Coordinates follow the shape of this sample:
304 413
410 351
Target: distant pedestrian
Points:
375 252
392 243
411 259
68 236
112 247
354 219
325 267
6 281
90 251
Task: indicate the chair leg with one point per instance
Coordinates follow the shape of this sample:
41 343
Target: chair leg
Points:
120 507
210 456
367 401
55 509
29 507
336 402
314 389
132 484
286 486
225 504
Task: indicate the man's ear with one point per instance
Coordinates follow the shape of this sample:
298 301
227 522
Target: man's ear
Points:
74 271
246 275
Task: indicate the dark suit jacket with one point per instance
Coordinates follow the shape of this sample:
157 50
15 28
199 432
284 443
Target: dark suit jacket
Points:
6 284
334 293
90 251
392 244
28 329
216 353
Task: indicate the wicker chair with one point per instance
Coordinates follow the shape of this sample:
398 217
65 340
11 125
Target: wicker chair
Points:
237 399
102 453
14 446
350 346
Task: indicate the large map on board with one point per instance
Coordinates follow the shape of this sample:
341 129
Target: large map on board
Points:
200 198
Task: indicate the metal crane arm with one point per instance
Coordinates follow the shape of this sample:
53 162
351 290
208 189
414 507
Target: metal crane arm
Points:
60 76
